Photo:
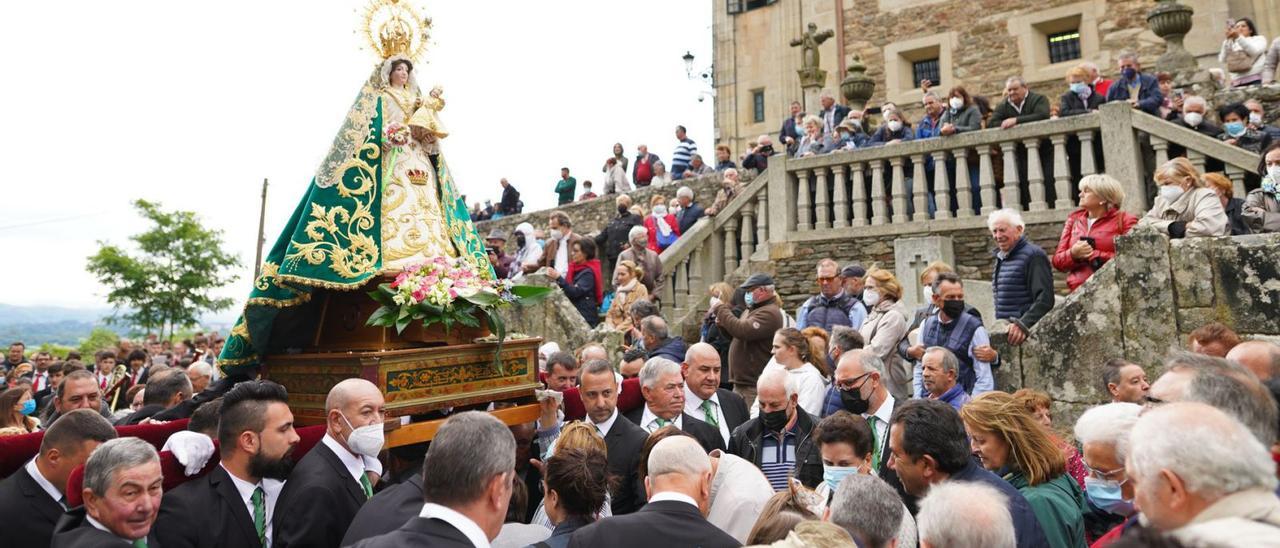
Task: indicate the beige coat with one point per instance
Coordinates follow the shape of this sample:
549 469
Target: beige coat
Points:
619 316
884 327
1261 211
1245 518
1199 208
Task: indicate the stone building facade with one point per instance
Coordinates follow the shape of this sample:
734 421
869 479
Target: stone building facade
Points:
975 43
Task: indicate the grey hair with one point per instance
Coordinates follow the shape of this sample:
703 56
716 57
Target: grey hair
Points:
812 119
764 139
1194 100
866 507
1021 83
949 360
1109 424
1228 386
655 326
162 387
1008 215
929 94
636 232
1214 454
643 308
655 369
685 192
113 456
1127 54
1089 65
201 368
467 452
961 513
827 94
678 455
846 338
777 375
872 362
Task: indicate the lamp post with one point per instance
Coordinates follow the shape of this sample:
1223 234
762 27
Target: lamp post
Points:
692 73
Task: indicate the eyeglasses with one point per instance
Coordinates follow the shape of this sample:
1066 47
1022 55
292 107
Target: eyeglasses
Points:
848 384
825 279
1105 474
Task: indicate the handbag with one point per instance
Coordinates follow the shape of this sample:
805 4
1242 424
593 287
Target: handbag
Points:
1239 60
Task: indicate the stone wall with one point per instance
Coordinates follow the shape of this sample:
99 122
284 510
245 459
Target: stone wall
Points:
1141 305
555 319
1269 96
593 215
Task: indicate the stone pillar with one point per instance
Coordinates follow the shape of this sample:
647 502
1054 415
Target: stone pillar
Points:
1123 155
911 256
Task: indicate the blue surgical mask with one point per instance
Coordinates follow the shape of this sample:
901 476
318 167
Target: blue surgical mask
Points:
751 299
833 474
1234 129
29 407
1078 87
1106 495
1129 73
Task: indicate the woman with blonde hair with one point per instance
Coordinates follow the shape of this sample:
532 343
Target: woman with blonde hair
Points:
711 332
819 342
884 327
627 290
1010 442
583 437
1089 236
814 141
1081 97
1039 405
1184 207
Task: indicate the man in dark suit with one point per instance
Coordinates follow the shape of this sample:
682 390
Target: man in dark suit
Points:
329 484
386 511
791 131
466 483
680 479
1021 105
832 113
859 379
703 397
164 391
233 505
33 498
663 388
690 211
1141 91
122 489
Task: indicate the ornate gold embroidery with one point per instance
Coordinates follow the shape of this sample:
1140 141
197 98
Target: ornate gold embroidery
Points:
350 138
337 233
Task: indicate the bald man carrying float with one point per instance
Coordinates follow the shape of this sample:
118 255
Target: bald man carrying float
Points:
703 397
329 484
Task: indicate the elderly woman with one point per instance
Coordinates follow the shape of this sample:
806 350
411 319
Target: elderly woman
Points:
1081 97
1243 53
1262 205
814 141
885 325
1232 206
1103 432
1184 207
1088 238
638 252
730 188
662 228
1009 442
896 129
628 290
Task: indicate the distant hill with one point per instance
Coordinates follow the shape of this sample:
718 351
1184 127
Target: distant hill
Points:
11 314
64 332
36 325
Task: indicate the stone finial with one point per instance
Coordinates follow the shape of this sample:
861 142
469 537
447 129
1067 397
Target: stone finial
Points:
857 87
1171 21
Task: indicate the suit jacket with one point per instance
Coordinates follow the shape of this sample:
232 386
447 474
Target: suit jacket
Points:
206 512
1070 104
318 502
889 475
663 523
689 215
420 531
624 441
708 437
733 407
1149 96
75 531
386 511
29 512
1035 107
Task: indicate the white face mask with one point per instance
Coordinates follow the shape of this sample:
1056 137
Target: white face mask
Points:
1171 193
956 103
871 296
1274 173
1255 118
895 125
366 440
928 292
556 234
1193 119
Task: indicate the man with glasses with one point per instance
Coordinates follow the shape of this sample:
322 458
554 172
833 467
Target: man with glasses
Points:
860 390
662 386
832 306
1103 433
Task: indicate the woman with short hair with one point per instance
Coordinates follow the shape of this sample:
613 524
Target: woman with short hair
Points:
1232 206
885 325
1184 207
1089 235
814 141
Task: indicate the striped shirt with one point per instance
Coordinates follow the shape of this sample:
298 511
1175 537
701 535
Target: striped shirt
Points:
778 461
682 156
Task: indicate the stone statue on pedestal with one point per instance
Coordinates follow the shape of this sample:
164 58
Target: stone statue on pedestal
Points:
811 73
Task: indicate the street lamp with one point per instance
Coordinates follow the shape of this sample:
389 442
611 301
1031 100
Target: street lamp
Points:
695 74
688 63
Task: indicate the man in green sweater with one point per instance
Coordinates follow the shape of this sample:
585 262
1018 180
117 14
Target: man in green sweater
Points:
566 187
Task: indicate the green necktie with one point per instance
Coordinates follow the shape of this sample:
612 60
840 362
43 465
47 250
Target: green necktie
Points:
368 487
709 409
661 422
140 543
260 514
875 442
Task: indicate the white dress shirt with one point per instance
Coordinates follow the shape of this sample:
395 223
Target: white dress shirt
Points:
882 415
356 464
693 406
607 424
649 421
458 521
43 482
672 495
99 526
270 494
561 259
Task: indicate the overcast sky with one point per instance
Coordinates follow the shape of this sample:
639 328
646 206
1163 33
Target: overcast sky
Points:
192 104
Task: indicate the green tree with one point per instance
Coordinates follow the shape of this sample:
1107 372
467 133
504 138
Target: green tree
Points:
100 338
170 282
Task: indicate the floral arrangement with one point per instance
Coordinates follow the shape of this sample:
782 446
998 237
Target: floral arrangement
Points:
449 291
397 135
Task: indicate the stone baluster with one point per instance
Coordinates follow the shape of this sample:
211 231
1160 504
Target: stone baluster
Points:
1011 193
1161 147
1087 165
964 192
841 197
986 179
1197 159
821 204
680 281
898 190
941 186
762 221
878 213
666 293
730 246
803 206
919 189
748 232
1237 180
1061 173
696 289
859 196
1035 176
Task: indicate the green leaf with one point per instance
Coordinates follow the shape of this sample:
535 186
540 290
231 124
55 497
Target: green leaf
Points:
384 316
530 293
483 299
402 323
468 320
383 295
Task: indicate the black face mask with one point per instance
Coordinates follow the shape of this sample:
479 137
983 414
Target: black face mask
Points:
774 421
853 401
953 309
623 210
520 240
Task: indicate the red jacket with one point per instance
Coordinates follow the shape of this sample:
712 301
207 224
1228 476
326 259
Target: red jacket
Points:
652 225
1112 223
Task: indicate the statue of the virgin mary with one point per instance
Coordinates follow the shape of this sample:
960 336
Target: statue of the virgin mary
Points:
382 199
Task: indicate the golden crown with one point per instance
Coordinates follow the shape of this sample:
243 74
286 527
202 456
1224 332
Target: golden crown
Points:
394 28
417 176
